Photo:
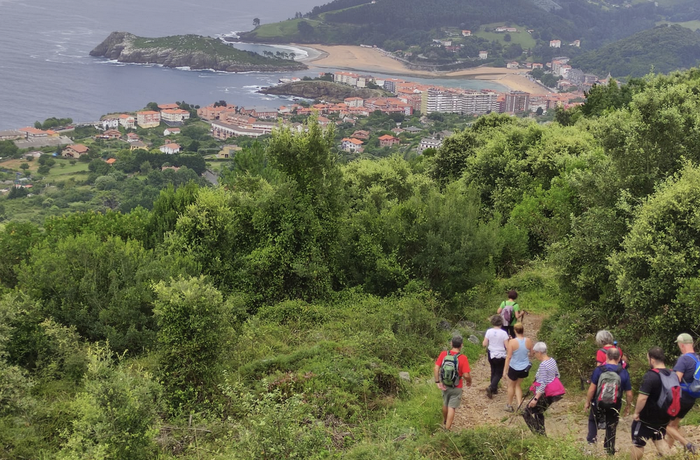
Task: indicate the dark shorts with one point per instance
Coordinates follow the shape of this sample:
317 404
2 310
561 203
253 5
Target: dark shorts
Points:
686 405
641 433
515 375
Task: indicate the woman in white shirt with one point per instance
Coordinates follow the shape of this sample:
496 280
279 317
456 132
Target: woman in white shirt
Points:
495 339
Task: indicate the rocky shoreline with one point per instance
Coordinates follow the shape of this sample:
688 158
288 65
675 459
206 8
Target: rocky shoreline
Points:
195 52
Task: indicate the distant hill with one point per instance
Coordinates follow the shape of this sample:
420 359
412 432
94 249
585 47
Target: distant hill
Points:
666 48
193 51
414 21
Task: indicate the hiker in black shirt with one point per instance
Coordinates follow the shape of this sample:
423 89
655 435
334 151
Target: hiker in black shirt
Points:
650 420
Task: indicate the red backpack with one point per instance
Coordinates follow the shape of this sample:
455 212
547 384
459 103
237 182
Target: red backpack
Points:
670 397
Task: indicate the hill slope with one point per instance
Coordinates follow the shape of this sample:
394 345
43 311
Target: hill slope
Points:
666 48
414 21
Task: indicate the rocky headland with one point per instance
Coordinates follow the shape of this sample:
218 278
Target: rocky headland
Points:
193 51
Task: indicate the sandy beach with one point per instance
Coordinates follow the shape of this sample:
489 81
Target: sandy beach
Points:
373 60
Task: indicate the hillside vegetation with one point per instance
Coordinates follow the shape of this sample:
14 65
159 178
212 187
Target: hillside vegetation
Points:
193 51
270 317
414 22
326 90
663 49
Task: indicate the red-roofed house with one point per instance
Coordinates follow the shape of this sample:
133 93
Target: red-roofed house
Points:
167 106
351 145
127 121
170 148
74 151
171 131
388 141
111 161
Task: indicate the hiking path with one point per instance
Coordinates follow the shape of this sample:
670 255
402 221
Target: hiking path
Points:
564 419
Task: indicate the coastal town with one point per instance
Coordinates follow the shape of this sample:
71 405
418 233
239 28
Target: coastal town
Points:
403 97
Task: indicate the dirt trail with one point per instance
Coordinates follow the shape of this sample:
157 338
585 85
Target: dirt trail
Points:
564 419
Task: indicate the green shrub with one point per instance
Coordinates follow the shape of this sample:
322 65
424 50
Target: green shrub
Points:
190 316
117 412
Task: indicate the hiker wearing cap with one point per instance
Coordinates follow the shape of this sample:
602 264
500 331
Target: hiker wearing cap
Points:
685 369
547 389
650 419
451 369
518 365
495 339
604 399
510 312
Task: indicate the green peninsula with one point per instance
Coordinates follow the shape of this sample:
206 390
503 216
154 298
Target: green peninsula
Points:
329 91
193 51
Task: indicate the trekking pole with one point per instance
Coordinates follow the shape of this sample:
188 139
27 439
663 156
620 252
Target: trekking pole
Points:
527 393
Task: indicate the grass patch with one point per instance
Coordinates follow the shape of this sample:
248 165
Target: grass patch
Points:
692 25
520 37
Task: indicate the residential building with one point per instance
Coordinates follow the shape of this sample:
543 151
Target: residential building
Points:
448 100
132 137
148 118
354 101
351 145
228 151
127 121
111 161
168 106
483 54
12 135
513 65
171 131
109 122
110 134
517 101
466 33
215 113
576 43
74 151
388 141
174 116
223 131
170 149
138 145
555 43
360 134
429 143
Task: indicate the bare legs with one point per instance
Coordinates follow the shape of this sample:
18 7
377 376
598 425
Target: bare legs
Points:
448 416
515 389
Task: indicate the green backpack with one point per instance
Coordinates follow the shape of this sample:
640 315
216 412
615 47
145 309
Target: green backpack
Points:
449 370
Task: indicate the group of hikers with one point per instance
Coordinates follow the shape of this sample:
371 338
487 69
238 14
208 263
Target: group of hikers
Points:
664 398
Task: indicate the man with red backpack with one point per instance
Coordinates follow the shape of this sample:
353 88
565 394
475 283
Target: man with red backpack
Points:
687 369
608 383
658 400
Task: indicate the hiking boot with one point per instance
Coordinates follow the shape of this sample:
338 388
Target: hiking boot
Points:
690 447
489 393
509 408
